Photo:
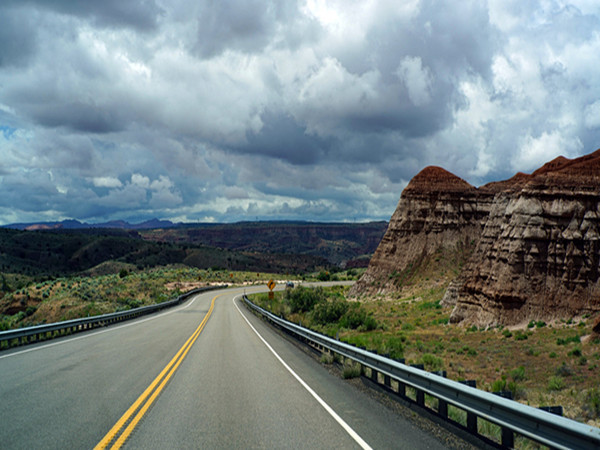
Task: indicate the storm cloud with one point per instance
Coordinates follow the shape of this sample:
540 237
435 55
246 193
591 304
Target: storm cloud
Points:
311 110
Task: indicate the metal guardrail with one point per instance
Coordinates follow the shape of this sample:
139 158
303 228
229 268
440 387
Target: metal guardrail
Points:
27 335
513 417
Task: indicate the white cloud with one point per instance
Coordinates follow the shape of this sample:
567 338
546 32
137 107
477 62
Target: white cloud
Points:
107 182
140 180
535 151
592 115
417 79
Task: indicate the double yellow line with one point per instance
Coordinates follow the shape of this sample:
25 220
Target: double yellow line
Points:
144 401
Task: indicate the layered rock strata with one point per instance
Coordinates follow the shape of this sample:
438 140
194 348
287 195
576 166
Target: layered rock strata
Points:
437 209
539 253
536 241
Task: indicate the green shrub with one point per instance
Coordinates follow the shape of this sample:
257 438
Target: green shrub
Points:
303 299
329 312
429 305
323 276
356 317
520 336
394 346
351 370
518 374
564 370
516 390
432 362
499 385
556 383
575 352
565 341
327 358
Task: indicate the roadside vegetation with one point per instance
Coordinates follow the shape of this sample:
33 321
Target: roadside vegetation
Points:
114 286
541 364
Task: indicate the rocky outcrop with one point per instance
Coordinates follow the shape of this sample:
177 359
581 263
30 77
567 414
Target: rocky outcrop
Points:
536 241
539 253
436 210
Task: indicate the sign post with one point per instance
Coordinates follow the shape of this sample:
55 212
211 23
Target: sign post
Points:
271 285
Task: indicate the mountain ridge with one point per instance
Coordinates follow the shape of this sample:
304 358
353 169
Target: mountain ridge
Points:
73 224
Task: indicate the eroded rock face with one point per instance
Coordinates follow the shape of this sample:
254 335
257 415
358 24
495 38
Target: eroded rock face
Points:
539 254
536 239
437 209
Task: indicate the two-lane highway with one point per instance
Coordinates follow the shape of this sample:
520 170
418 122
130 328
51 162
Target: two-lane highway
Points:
191 377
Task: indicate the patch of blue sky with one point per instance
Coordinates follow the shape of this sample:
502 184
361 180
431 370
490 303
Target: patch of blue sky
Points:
7 131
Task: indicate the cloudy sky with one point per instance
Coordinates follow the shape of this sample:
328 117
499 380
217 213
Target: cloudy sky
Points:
250 109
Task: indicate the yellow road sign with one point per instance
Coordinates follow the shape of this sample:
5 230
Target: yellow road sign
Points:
271 284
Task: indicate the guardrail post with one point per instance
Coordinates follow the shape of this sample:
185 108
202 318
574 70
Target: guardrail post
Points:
419 395
442 404
401 389
374 376
471 418
387 381
507 435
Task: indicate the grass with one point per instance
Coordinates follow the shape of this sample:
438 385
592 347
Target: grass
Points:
351 370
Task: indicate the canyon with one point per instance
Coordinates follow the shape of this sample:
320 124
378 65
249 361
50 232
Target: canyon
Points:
528 247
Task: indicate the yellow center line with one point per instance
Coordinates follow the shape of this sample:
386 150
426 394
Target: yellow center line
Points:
152 391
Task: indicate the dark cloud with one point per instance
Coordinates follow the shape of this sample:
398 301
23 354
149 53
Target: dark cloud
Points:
282 137
78 117
249 26
17 39
139 14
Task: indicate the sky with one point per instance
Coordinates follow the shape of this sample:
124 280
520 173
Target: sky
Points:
222 111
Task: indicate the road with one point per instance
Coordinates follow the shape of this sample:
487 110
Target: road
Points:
230 382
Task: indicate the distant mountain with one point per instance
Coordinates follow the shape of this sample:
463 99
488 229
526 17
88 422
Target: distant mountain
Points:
342 244
63 252
339 244
71 224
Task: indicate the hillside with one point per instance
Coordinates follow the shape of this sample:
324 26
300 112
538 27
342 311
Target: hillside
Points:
341 244
60 253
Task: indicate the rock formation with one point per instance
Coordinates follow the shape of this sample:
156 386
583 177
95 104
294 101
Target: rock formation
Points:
536 241
437 209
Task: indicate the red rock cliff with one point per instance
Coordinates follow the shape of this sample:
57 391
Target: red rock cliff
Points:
539 254
536 241
437 209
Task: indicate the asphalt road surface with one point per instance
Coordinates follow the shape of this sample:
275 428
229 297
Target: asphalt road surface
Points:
207 374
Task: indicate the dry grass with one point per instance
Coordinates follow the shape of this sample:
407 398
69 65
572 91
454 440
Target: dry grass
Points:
543 364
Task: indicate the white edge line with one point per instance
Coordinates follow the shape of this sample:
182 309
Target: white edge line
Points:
353 434
113 328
